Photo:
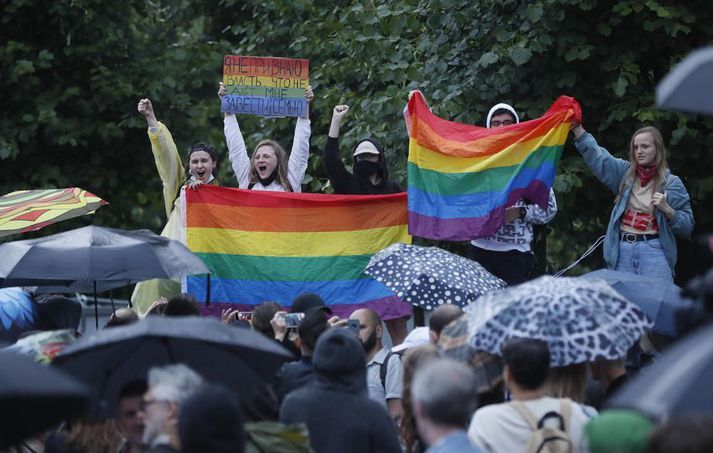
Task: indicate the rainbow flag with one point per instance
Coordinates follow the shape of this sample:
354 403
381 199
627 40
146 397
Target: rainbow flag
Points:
461 177
276 245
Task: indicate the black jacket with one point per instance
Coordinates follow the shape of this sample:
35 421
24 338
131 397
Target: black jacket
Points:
347 183
336 408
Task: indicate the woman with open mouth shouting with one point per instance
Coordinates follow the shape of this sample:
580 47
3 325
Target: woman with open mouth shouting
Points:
269 167
202 164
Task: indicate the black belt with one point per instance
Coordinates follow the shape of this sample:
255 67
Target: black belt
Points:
633 237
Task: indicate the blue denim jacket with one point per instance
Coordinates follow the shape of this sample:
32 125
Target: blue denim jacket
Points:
611 170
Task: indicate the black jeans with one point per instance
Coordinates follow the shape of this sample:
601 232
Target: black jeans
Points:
512 266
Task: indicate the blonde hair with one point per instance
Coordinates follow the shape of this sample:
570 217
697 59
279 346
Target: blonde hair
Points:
282 161
660 161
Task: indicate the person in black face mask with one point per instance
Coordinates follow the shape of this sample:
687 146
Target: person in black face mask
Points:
370 175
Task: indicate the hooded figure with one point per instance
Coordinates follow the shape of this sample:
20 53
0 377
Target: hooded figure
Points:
360 182
336 408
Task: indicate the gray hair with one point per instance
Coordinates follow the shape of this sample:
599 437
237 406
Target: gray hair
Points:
173 382
446 391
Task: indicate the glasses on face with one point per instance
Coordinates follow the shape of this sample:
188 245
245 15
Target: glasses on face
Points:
497 123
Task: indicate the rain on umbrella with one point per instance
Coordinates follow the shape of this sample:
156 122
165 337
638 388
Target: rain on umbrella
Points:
239 358
580 320
429 276
30 210
678 383
95 259
34 397
658 299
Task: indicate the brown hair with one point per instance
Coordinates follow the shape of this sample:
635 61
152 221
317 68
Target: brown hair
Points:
282 161
659 160
262 315
414 358
568 382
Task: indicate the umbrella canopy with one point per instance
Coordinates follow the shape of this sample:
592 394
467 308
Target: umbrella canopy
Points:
35 397
677 383
93 257
18 313
29 210
238 358
428 277
580 320
688 87
657 299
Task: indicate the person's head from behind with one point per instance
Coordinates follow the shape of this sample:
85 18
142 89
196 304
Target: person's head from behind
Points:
647 149
268 164
202 161
168 387
443 395
440 318
307 301
211 420
127 411
527 363
370 329
182 305
261 317
311 327
413 359
339 361
501 115
122 317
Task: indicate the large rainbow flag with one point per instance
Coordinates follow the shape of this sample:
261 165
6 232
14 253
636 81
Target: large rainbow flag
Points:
461 177
276 245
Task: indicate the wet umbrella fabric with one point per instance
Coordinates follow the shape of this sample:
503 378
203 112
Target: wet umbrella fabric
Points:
239 358
90 258
688 86
580 320
428 277
678 383
35 397
659 300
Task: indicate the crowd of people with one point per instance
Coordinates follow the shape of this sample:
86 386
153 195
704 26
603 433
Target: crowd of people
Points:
345 390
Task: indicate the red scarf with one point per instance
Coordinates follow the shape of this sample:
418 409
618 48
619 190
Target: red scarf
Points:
645 174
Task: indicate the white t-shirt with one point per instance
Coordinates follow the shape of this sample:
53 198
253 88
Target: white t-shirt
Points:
499 428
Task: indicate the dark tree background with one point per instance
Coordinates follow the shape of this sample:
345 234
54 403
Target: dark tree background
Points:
72 72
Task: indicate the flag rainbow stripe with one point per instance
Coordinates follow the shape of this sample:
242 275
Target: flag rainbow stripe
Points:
462 177
274 246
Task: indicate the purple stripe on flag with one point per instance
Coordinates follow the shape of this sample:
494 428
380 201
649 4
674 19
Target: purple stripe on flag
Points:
388 308
465 229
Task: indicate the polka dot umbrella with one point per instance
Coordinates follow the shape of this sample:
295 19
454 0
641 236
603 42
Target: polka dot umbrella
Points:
428 277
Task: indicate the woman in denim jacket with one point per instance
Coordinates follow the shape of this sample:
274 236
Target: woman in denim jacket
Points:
651 207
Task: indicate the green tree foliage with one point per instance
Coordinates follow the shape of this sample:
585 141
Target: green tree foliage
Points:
71 78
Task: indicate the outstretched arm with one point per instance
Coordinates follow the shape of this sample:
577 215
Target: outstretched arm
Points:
237 152
337 173
297 165
168 162
607 168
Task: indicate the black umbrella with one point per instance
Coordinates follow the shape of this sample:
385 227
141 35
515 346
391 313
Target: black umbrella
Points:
239 358
95 259
679 382
35 397
428 277
689 86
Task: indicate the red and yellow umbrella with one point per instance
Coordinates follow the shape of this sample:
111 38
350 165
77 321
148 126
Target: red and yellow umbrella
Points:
29 210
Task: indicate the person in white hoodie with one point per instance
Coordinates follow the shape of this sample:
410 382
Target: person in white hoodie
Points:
507 254
269 167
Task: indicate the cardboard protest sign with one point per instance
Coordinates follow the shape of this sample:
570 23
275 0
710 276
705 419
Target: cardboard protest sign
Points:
265 86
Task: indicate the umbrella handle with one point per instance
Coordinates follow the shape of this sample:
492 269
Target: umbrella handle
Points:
207 290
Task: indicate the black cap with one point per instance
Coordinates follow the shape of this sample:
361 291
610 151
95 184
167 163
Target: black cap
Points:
305 301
